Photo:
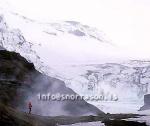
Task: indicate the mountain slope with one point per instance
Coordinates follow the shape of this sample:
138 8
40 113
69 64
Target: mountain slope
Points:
21 83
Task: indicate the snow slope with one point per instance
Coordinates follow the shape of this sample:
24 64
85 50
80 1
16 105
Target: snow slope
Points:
47 44
87 124
63 39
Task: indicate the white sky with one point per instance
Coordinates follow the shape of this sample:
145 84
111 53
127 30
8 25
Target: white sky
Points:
125 22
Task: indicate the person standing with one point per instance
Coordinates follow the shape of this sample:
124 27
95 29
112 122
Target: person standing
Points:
30 107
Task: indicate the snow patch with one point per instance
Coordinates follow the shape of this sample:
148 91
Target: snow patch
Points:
87 124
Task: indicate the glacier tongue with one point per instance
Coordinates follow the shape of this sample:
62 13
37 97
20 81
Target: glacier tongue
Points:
122 86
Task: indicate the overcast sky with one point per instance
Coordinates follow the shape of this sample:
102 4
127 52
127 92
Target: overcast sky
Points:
126 22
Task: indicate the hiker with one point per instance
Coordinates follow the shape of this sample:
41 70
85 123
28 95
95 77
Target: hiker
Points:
30 107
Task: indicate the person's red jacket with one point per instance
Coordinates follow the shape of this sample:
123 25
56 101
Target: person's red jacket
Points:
30 105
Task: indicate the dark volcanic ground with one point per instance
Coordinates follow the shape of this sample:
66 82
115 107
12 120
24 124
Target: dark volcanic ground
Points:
11 117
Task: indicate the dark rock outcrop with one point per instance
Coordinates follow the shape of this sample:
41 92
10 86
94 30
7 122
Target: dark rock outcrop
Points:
21 83
146 103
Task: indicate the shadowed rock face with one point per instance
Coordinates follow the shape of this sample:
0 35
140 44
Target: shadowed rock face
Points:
20 83
146 103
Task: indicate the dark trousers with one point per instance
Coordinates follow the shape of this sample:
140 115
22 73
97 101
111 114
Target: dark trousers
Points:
29 110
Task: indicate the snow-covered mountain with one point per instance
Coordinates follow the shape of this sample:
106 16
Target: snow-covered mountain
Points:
48 44
13 40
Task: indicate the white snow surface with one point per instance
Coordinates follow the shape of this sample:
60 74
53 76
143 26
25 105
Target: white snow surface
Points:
86 124
48 44
113 107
